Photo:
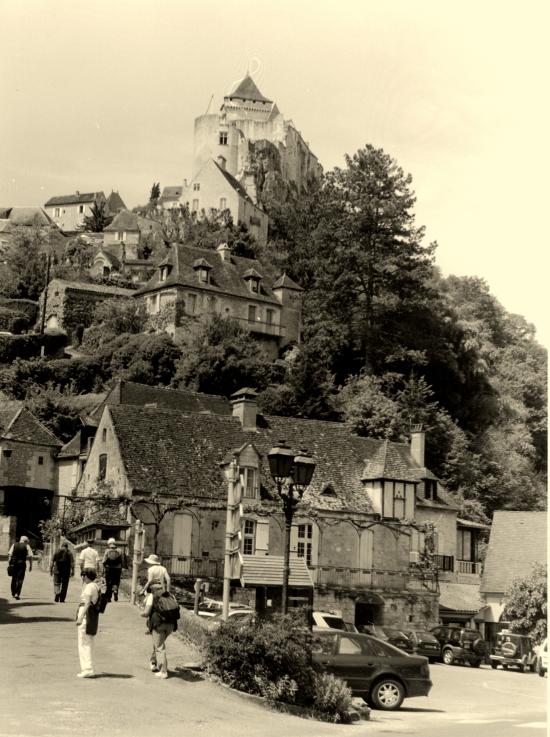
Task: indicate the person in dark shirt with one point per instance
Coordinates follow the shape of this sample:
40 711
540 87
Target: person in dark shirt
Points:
112 569
18 555
62 568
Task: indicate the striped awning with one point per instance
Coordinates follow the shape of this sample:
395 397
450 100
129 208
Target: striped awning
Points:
267 570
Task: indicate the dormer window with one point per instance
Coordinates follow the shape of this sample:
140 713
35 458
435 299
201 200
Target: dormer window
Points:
202 269
329 491
430 489
253 279
163 273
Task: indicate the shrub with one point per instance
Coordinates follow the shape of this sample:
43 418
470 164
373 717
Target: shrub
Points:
27 306
195 629
332 697
13 320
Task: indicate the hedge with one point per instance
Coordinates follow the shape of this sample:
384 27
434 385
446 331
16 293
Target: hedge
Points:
26 306
13 321
30 346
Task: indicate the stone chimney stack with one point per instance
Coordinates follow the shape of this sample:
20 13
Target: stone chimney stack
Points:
224 251
245 408
418 445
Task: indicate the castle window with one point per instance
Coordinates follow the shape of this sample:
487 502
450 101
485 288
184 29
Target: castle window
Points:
304 546
6 452
251 313
40 460
249 537
104 435
81 209
249 482
56 212
223 203
223 138
196 186
102 468
195 206
269 315
430 489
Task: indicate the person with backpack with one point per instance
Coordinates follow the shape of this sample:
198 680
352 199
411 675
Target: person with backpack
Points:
62 569
18 555
87 622
162 611
112 569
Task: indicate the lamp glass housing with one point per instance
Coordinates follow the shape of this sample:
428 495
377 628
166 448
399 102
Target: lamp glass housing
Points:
281 461
304 468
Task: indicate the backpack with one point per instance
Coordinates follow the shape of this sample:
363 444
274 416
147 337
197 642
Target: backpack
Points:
167 608
113 559
102 600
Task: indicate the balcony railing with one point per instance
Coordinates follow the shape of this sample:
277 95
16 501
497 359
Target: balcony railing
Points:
468 566
183 565
264 328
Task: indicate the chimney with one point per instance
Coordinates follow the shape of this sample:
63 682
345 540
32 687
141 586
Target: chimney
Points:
221 162
418 444
224 251
245 407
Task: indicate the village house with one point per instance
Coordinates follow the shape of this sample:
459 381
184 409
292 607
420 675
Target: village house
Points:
356 529
69 211
192 284
517 542
70 305
27 473
122 250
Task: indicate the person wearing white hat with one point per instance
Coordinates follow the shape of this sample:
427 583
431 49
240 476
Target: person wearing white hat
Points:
112 568
157 573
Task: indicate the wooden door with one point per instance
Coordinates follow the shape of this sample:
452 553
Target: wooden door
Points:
181 544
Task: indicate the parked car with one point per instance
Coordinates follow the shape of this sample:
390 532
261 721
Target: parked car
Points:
424 643
459 644
542 658
512 649
394 636
332 620
375 670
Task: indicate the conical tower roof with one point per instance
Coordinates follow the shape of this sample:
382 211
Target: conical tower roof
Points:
247 90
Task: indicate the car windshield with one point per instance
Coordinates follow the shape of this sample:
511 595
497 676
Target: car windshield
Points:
394 633
425 637
470 635
337 623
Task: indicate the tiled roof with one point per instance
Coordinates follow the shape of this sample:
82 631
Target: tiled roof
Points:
267 570
125 220
103 518
107 254
181 400
180 454
517 541
115 202
171 193
459 597
74 199
93 288
25 427
284 281
246 89
237 186
8 409
72 448
471 525
29 216
391 461
226 277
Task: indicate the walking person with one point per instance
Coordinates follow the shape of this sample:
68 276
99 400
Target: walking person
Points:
18 555
62 569
87 620
89 557
162 612
156 574
112 568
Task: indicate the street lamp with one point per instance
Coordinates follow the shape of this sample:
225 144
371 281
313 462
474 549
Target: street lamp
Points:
292 475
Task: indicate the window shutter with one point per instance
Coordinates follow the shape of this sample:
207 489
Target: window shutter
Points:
262 537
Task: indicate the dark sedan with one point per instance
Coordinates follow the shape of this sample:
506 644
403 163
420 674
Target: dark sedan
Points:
395 637
379 672
424 643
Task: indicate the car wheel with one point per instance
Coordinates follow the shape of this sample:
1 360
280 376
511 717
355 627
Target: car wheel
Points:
387 694
505 666
494 664
448 657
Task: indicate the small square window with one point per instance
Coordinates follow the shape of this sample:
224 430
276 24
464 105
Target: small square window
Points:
6 452
223 138
196 186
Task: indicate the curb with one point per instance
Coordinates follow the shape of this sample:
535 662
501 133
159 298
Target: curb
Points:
354 715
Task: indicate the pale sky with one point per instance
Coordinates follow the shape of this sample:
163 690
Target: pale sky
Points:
102 95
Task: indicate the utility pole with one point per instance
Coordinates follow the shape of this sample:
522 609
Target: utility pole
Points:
137 558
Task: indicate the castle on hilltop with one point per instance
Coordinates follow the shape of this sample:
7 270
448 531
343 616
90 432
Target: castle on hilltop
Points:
245 156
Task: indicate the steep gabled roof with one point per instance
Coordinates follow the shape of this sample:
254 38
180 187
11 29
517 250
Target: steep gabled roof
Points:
172 193
246 89
125 220
234 183
130 392
285 282
8 409
25 427
517 541
391 461
75 199
34 216
226 277
115 203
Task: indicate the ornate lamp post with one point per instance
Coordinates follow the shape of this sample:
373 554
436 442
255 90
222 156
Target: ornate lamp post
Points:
292 475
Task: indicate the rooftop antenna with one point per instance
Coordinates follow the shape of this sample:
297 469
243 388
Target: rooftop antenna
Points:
210 103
